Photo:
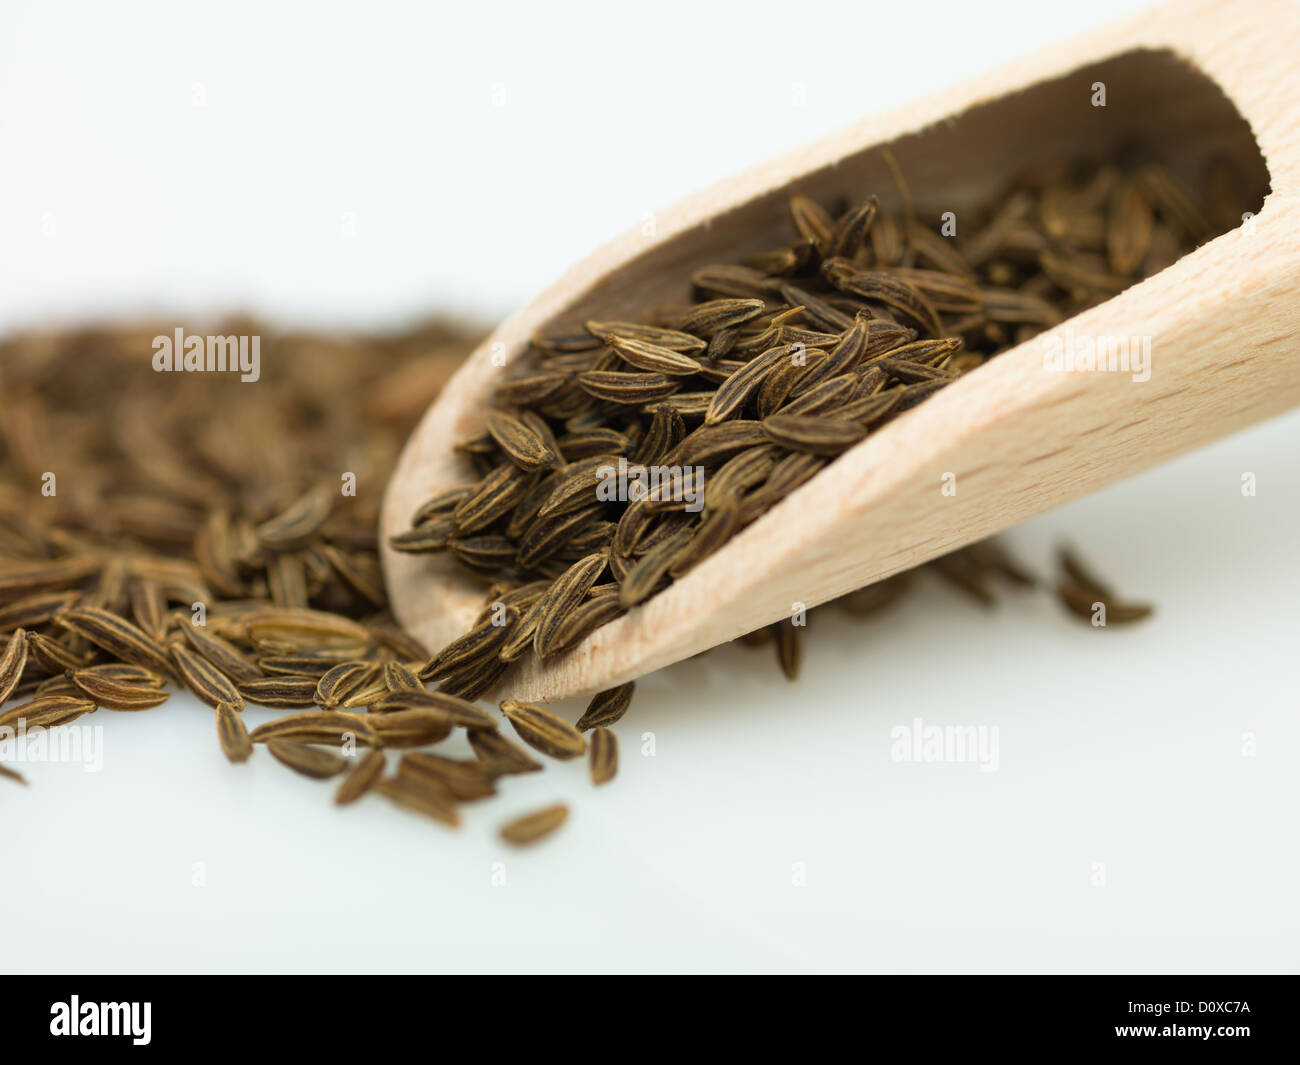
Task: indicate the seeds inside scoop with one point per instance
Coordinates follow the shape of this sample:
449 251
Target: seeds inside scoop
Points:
774 367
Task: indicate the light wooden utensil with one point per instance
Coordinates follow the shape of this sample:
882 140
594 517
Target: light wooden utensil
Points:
1017 437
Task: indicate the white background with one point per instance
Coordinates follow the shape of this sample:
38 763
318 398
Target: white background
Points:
120 194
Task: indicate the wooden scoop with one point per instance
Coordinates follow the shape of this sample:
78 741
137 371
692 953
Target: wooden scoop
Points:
1016 436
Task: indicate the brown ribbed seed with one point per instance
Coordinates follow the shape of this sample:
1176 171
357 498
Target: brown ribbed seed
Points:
535 826
416 727
478 645
399 677
300 521
843 357
286 578
296 629
53 655
474 683
543 730
551 534
362 778
893 292
711 444
629 388
333 727
735 391
568 591
34 610
232 734
823 399
520 443
712 316
496 495
12 663
718 526
815 435
442 503
402 644
431 534
851 230
673 339
10 774
811 221
338 682
654 359
305 663
648 573
816 310
205 680
589 443
604 756
586 619
126 671
280 693
487 554
521 637
735 280
456 710
421 794
464 780
573 487
118 637
114 693
222 654
47 710
607 707
309 761
37 577
149 608
499 755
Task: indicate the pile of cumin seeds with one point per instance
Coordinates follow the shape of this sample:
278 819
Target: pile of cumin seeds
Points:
97 598
164 530
131 499
778 364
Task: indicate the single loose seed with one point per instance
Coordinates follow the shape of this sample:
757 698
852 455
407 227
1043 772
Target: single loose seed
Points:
205 680
421 794
280 693
309 761
604 756
499 755
607 707
362 778
532 827
233 734
115 693
543 730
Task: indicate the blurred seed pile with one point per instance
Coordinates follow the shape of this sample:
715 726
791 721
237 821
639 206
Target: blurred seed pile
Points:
776 366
